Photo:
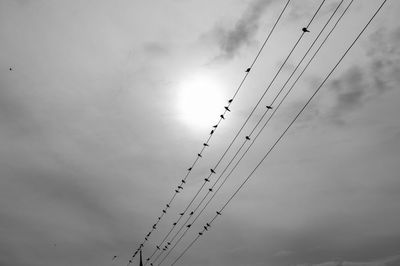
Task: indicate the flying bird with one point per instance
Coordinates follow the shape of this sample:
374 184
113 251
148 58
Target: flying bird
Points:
305 29
269 107
227 108
248 70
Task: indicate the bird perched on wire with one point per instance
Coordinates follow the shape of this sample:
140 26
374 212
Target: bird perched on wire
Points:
227 108
305 29
222 116
248 70
269 107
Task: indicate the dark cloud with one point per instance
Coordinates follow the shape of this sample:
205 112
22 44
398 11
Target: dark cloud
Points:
231 40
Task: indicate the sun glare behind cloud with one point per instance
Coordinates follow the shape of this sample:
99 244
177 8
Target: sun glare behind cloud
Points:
200 101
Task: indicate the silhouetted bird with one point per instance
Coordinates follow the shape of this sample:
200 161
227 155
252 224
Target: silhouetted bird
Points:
205 228
227 108
159 218
215 126
218 213
212 132
206 179
183 181
247 137
205 145
230 100
146 238
182 213
168 243
168 204
208 225
199 155
212 171
11 69
164 211
269 107
154 226
148 234
222 116
164 249
305 29
210 189
191 213
158 247
200 233
177 191
190 169
248 70
180 187
130 261
147 259
188 226
114 257
174 224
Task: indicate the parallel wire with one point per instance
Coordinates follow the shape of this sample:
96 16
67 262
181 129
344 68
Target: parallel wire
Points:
262 117
285 131
207 141
219 121
238 133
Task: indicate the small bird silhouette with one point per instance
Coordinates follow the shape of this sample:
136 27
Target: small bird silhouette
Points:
177 191
190 169
167 205
189 225
182 213
200 233
154 226
210 189
199 155
227 108
164 211
212 171
114 257
219 213
215 126
305 29
180 187
208 225
269 107
247 137
222 116
158 247
212 132
205 228
206 179
248 70
230 100
168 243
205 145
191 213
174 224
183 181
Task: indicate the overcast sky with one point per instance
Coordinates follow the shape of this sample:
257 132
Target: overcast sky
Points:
105 104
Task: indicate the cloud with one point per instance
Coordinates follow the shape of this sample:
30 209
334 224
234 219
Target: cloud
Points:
230 41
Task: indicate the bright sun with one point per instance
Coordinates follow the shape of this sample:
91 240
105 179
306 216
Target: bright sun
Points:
200 101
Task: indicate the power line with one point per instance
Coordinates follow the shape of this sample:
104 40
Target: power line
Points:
207 141
275 109
209 137
285 131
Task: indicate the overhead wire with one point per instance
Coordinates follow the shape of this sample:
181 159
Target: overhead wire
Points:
285 131
259 121
208 139
215 127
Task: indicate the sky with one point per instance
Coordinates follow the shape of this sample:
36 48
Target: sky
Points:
105 104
